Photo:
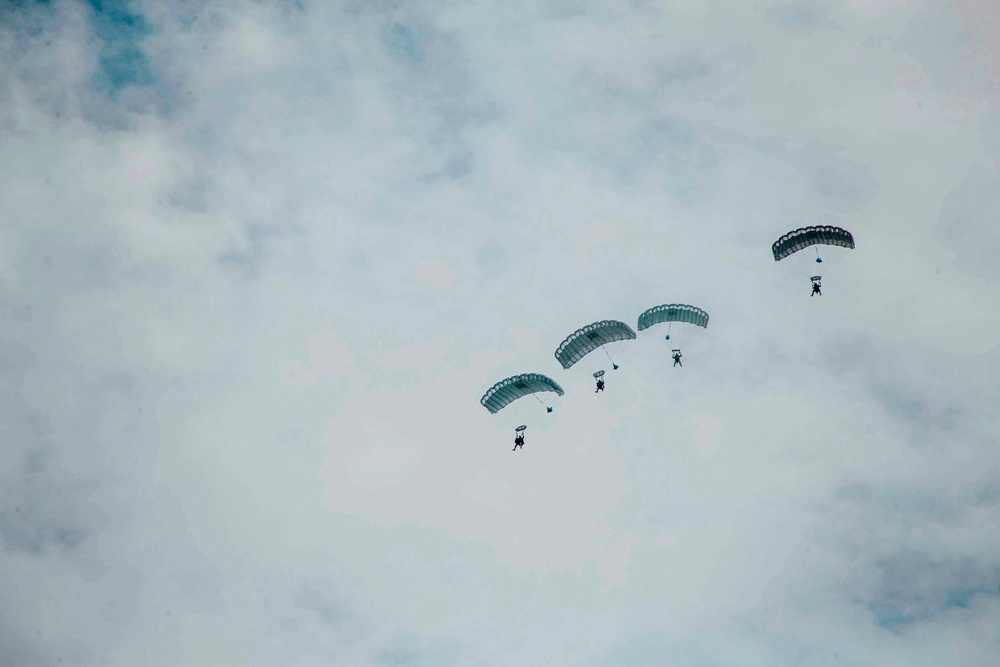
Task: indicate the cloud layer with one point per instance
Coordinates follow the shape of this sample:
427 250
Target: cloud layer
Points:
262 259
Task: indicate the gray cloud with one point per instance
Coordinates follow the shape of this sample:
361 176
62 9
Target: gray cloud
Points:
801 17
916 589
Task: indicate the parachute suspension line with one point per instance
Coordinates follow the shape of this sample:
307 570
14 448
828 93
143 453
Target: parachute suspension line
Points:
614 366
525 413
839 256
533 413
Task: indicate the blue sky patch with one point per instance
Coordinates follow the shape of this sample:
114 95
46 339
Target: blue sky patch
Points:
917 588
123 63
403 43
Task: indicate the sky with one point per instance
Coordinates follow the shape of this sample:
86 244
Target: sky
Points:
260 260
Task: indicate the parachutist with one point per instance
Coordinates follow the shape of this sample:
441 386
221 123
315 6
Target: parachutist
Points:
600 386
831 239
515 398
686 319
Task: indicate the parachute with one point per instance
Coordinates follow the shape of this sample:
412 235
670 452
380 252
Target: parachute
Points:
837 240
683 322
512 398
804 237
610 336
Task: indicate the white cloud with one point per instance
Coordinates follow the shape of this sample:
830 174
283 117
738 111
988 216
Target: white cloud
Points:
250 308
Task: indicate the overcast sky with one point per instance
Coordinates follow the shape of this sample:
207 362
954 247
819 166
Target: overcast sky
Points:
260 260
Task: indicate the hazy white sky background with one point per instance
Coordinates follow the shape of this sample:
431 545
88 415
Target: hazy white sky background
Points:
260 261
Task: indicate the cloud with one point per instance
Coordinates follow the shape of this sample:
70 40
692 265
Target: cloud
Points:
260 262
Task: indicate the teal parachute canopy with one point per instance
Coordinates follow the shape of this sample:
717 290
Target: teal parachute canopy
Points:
804 237
585 340
673 312
507 391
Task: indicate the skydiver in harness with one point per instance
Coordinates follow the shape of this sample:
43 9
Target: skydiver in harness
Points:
677 359
518 441
816 290
600 385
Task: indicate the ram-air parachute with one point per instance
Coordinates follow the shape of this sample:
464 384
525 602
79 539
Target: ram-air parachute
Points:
682 322
790 250
517 398
599 344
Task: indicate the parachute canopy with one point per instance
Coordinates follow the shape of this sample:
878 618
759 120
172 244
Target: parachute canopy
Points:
585 340
673 312
804 237
507 391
